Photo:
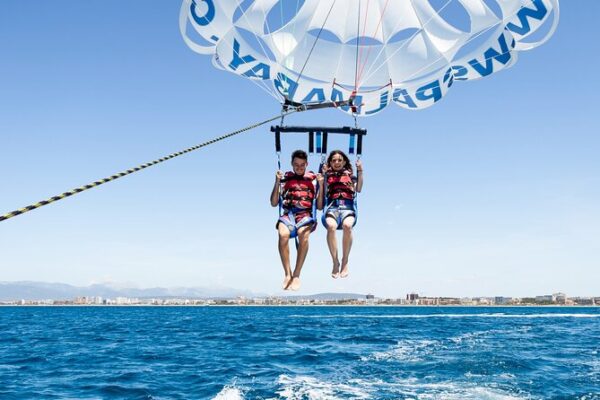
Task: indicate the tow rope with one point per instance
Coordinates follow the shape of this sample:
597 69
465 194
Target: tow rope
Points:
132 170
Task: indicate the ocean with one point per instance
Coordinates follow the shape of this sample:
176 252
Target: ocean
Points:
300 353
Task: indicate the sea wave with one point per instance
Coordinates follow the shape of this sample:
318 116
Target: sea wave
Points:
423 316
405 350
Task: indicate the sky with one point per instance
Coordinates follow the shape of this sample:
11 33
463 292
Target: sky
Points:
494 191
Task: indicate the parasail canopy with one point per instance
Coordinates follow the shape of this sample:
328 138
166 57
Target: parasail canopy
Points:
407 52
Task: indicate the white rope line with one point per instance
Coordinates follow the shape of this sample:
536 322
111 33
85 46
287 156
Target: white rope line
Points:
262 85
470 39
315 42
295 23
369 73
494 26
380 23
267 88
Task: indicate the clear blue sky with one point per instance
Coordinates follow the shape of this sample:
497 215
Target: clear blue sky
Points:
493 191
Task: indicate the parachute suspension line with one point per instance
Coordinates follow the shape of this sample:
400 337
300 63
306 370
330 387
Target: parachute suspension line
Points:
132 170
379 23
315 42
531 2
469 41
295 23
406 42
264 86
357 47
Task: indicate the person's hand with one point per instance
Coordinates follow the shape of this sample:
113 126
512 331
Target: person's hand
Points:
359 166
278 176
320 179
324 169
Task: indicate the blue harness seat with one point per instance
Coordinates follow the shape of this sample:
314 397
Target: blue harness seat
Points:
289 220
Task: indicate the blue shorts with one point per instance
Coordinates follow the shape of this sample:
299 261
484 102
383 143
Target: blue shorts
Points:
339 210
302 218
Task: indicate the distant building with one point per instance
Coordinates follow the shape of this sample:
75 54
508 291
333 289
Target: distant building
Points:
500 300
559 298
583 301
482 301
427 301
544 299
412 297
122 300
448 301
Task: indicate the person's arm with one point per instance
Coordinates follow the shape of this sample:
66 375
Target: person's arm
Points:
320 193
276 189
359 175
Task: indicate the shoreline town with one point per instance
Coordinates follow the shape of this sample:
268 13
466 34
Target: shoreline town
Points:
411 299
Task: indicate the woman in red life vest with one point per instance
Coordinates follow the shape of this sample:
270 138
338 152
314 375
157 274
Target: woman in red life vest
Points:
298 192
339 213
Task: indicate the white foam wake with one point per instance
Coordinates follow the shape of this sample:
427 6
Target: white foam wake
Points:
229 393
306 387
419 316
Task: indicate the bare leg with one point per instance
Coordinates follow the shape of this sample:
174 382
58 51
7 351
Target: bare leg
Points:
346 245
303 234
284 253
332 244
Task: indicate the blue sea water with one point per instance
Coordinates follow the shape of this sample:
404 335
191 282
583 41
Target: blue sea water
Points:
299 353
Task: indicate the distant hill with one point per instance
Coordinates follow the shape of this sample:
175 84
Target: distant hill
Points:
27 290
327 296
59 291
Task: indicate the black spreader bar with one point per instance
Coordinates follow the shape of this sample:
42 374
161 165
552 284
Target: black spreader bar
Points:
329 129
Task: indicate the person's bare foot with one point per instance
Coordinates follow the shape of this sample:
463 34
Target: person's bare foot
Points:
294 283
335 272
286 282
344 271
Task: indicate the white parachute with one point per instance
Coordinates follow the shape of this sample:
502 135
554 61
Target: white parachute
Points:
407 52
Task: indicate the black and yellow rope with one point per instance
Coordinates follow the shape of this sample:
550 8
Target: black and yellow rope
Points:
132 170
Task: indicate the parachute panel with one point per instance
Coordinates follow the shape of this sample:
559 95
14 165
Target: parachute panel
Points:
382 51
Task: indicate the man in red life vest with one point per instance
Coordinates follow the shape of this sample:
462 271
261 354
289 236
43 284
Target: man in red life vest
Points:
297 192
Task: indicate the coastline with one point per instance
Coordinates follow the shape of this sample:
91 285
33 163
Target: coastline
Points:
314 305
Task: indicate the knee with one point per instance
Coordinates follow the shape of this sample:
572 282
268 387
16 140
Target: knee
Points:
303 237
331 225
347 226
284 236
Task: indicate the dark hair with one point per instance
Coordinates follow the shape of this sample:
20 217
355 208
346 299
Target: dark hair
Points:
347 167
301 154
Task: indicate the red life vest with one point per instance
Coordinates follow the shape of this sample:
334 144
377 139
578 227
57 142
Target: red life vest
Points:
298 191
340 185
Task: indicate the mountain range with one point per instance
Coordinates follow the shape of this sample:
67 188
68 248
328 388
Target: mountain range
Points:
29 290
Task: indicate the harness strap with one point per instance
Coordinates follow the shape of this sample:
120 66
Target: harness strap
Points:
359 147
319 148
